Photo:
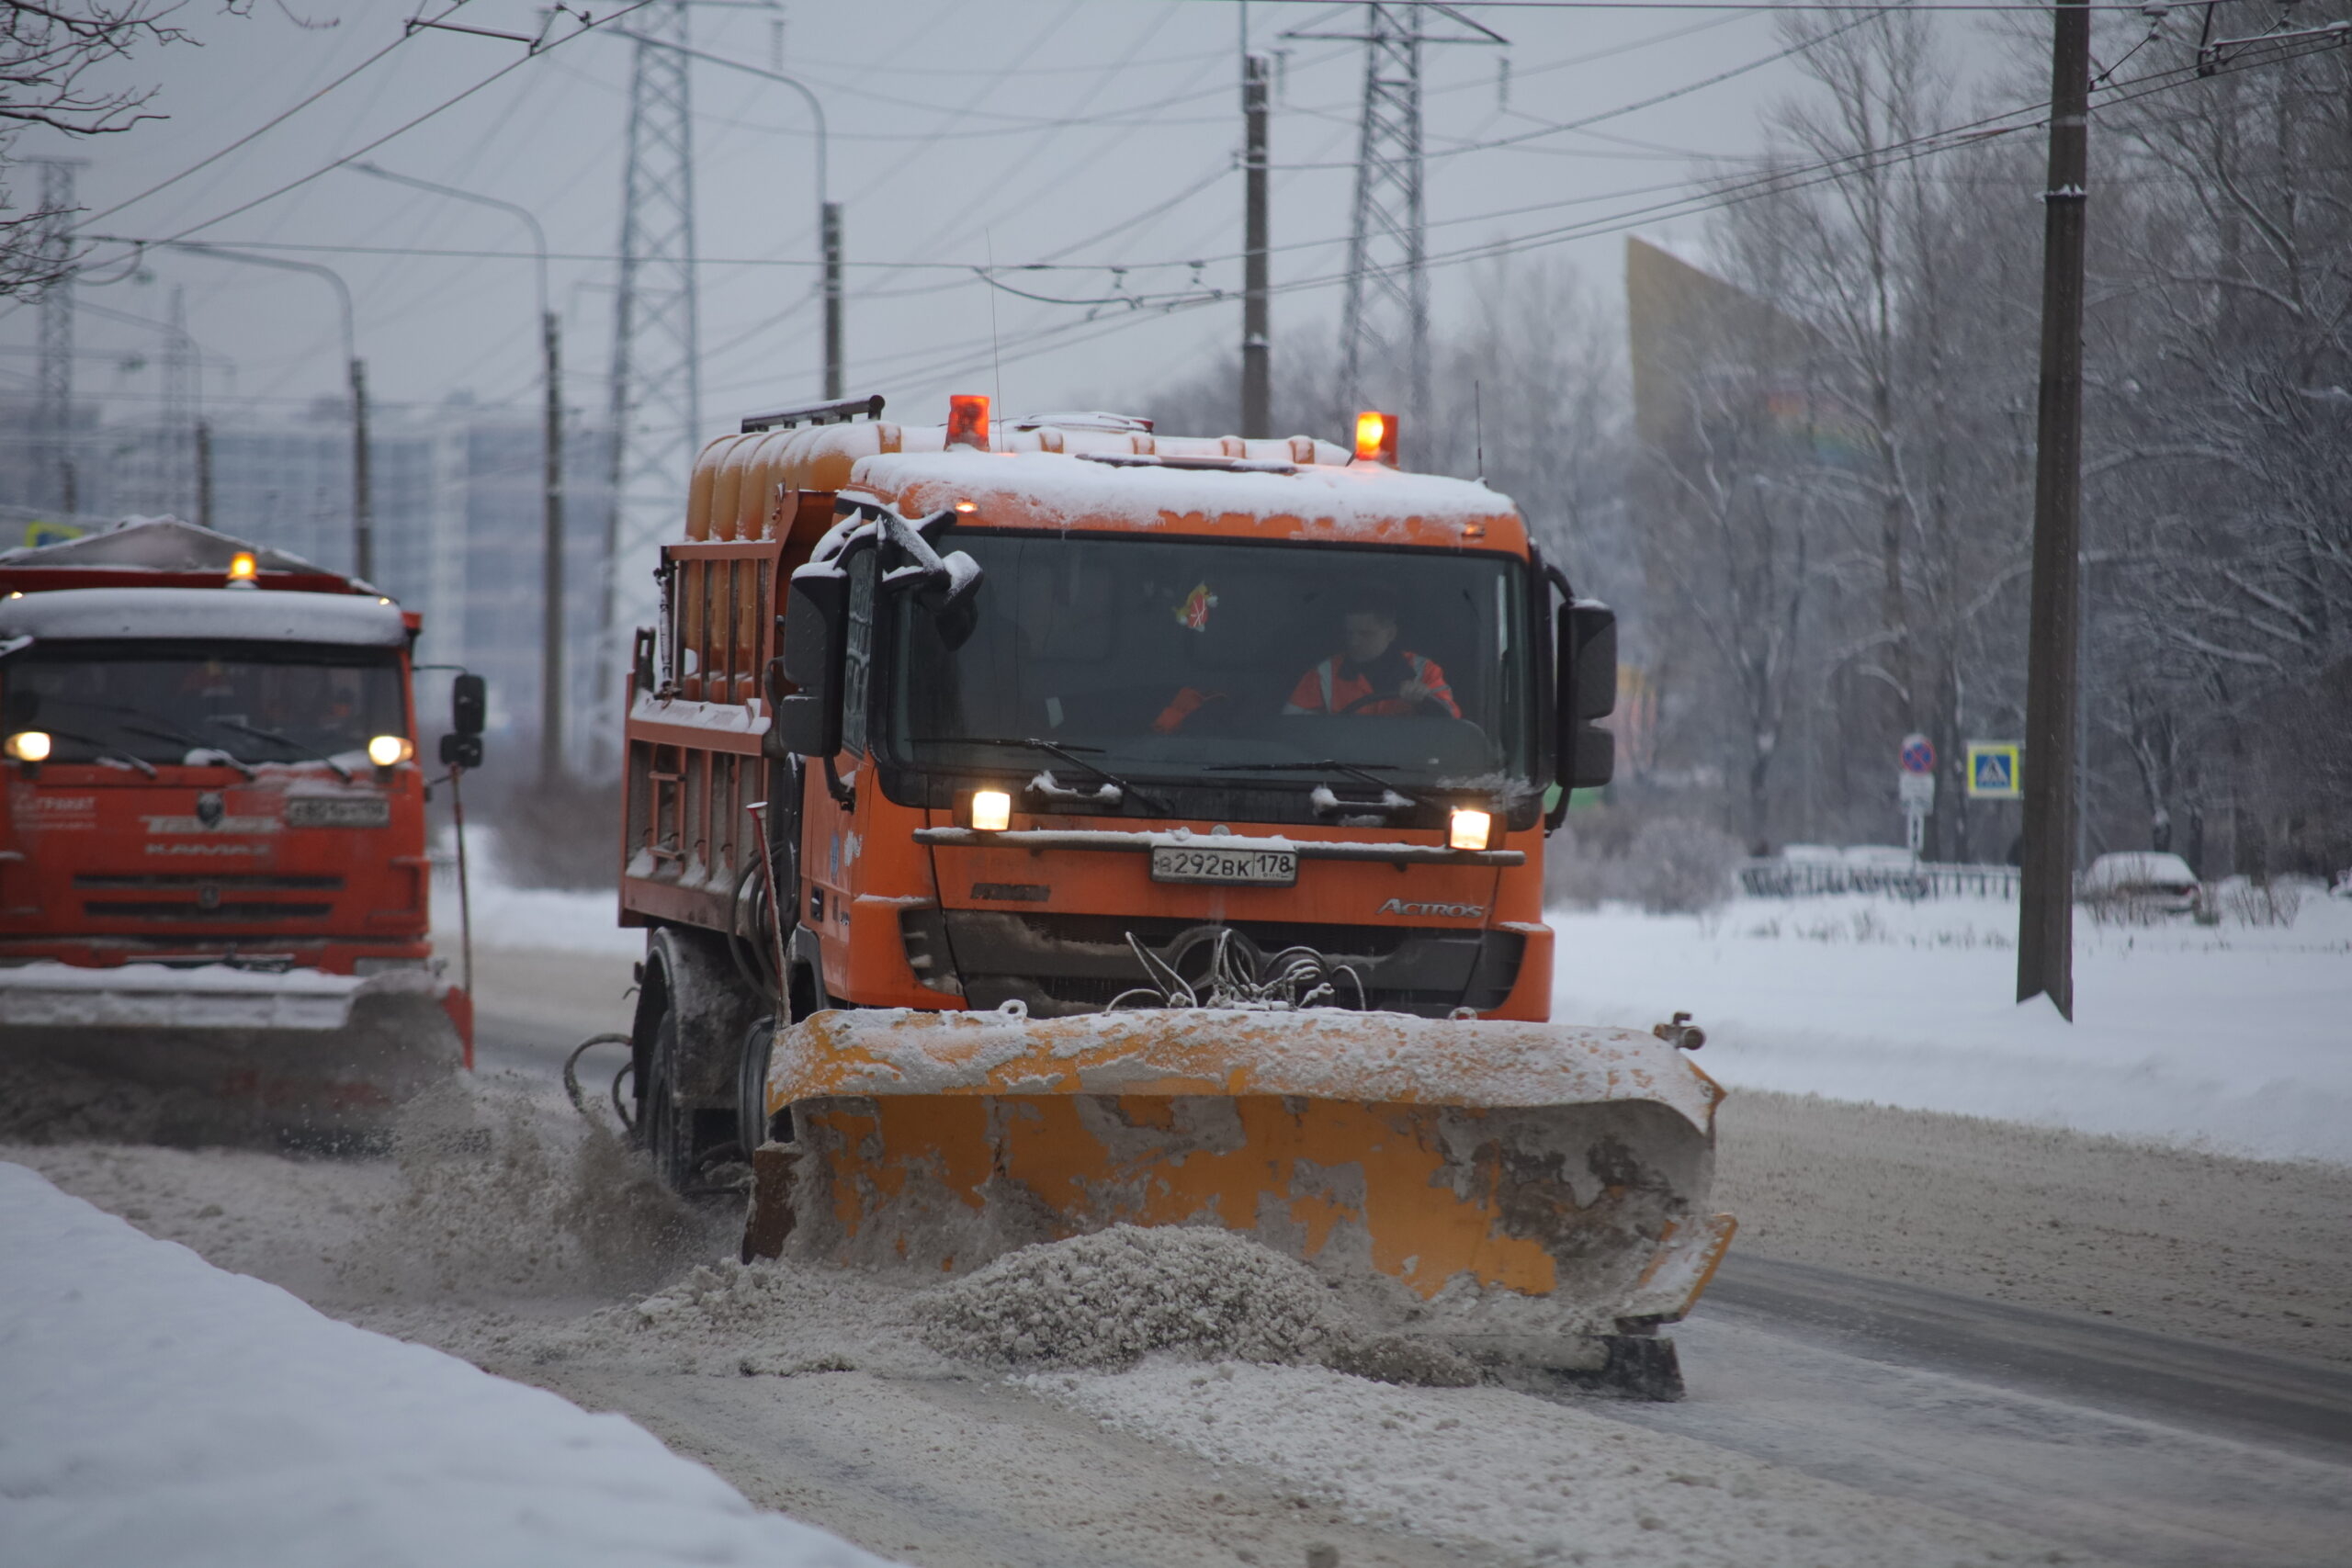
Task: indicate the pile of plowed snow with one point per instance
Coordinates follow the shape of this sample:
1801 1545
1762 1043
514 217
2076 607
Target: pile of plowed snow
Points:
1108 1300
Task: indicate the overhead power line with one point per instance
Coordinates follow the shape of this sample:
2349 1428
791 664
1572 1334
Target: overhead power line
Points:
404 127
2135 6
268 125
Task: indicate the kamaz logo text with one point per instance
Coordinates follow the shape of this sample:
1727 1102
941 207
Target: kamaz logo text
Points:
1442 911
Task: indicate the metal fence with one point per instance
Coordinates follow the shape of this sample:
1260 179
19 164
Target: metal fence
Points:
1801 879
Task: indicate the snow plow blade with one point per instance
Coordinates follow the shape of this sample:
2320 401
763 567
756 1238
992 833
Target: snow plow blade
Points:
1489 1181
218 1054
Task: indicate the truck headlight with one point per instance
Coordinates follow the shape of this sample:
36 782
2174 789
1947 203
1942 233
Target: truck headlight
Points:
29 746
1467 830
385 751
992 811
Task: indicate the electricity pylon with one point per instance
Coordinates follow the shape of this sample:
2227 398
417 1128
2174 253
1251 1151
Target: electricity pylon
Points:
1384 324
54 245
656 394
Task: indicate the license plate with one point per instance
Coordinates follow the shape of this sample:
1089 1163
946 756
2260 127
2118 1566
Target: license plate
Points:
338 811
1251 868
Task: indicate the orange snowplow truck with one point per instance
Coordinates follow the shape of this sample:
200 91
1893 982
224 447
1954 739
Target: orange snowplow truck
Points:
1063 825
213 877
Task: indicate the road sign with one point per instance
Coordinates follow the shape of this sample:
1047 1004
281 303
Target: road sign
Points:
1993 770
40 534
1918 754
1915 790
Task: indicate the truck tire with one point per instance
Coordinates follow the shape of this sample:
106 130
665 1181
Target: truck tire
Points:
751 1086
663 1123
692 1016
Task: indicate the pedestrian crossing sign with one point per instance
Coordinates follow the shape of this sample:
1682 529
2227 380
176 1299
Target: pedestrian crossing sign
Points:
1993 770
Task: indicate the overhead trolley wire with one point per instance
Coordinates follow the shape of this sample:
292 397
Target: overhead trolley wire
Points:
267 125
1971 133
406 126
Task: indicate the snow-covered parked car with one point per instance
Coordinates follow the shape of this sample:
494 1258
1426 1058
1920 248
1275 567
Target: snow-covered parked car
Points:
2147 878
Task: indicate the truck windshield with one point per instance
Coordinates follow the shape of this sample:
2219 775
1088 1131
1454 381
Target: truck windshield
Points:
158 702
1175 659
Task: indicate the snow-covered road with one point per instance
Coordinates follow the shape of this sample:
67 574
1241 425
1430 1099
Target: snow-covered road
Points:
1805 1440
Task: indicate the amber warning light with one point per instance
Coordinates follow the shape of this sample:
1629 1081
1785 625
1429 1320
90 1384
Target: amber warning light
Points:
242 568
1377 438
968 420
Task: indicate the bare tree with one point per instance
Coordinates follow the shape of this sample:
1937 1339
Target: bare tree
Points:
53 55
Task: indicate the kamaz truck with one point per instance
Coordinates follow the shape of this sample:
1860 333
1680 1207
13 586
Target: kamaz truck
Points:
214 882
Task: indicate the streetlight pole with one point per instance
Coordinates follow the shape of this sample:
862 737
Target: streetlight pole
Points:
829 212
363 520
551 566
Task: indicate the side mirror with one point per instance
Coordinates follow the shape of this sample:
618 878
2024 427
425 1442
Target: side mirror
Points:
807 721
468 715
945 584
1586 689
469 705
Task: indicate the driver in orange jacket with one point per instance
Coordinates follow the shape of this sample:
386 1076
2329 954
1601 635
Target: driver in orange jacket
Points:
1374 675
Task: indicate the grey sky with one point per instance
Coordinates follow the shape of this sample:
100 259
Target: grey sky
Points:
962 133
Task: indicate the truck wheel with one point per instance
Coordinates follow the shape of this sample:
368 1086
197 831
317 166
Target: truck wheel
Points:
666 1126
751 1087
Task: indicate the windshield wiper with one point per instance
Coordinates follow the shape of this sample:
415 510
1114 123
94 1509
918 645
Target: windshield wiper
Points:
1360 772
196 745
1053 748
166 730
286 740
109 752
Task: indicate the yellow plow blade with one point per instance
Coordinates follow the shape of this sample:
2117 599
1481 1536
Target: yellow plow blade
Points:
1520 1177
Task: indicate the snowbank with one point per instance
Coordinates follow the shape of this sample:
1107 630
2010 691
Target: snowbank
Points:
163 1413
2232 1038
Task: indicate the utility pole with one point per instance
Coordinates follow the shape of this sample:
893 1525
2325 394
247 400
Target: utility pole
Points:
363 493
204 473
1386 316
1257 338
182 399
55 244
552 553
829 224
2046 885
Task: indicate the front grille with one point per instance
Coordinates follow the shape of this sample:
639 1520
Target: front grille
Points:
1065 963
181 909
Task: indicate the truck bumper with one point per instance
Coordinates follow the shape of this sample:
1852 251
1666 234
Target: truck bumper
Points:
49 994
220 1053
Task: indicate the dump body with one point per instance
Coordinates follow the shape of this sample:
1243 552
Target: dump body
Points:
1112 874
207 882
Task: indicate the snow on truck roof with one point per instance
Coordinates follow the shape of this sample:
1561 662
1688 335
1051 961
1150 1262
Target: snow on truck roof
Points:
1095 471
1361 502
157 544
212 613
